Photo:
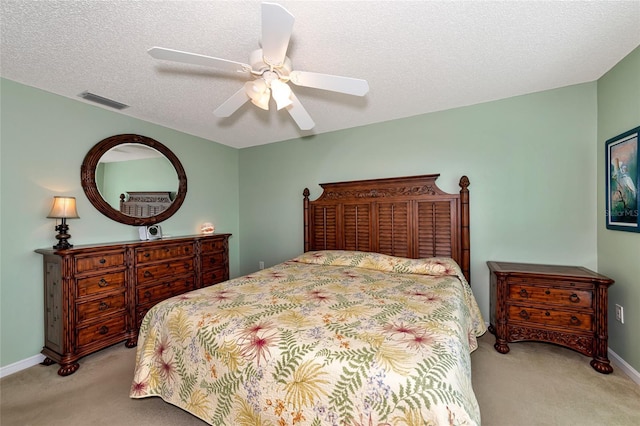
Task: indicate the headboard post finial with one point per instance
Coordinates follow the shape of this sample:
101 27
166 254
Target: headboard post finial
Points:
464 228
305 213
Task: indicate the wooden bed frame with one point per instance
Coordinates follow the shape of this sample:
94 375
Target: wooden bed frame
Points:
405 216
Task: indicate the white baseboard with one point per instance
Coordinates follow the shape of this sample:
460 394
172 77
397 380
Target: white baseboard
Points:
624 366
21 365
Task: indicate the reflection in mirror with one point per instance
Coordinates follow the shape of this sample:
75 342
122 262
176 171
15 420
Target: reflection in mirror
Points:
134 168
152 171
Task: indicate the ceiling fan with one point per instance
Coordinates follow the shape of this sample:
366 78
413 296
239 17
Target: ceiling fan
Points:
271 70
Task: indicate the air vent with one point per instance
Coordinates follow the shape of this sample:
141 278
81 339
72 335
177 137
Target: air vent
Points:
92 97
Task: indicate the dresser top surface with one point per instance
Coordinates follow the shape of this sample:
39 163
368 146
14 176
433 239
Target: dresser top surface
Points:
113 244
567 271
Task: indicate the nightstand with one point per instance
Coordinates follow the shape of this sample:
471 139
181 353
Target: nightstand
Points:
565 305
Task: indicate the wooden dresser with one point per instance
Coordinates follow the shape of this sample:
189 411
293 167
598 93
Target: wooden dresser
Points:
565 305
97 295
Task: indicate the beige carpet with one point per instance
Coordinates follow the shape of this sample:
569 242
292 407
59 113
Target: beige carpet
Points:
535 384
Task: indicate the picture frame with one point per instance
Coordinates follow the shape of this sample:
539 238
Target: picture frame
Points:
622 182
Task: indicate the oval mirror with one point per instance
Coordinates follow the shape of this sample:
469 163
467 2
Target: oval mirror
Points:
133 179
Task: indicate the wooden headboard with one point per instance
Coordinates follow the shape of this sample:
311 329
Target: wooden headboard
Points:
406 216
145 204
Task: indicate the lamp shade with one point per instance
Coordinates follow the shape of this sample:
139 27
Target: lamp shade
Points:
63 208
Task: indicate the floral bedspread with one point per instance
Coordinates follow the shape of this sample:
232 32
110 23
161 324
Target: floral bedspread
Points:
328 338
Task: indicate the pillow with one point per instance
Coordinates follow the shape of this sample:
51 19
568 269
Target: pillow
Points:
436 266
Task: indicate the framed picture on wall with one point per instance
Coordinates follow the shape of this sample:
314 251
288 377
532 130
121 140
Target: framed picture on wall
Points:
623 182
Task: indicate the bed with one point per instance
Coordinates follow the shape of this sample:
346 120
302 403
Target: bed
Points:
373 324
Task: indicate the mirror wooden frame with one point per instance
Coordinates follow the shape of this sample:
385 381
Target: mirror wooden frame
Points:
88 179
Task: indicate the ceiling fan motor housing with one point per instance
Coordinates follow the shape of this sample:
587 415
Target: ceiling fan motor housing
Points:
259 66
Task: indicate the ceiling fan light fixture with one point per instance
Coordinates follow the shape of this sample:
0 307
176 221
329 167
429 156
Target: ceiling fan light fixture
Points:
281 94
259 93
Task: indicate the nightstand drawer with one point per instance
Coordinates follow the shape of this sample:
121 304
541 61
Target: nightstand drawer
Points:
144 255
550 317
551 295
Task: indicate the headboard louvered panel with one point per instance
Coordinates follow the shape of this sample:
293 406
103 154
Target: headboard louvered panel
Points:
406 216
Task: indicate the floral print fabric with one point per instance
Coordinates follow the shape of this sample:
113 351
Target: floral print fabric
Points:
328 338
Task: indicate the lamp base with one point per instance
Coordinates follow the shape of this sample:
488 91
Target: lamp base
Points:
63 236
63 245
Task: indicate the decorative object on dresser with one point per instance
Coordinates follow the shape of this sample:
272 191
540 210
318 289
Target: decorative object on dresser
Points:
63 208
565 305
96 295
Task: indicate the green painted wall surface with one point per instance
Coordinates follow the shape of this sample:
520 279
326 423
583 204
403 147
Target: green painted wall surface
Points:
530 159
618 251
44 139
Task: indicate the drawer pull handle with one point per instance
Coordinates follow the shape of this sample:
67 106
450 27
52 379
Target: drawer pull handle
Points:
147 274
523 293
186 265
574 298
103 261
103 330
575 320
103 306
547 292
524 314
147 255
147 294
167 284
546 314
103 282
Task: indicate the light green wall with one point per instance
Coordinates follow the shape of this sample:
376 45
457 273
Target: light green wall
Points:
44 139
530 159
618 251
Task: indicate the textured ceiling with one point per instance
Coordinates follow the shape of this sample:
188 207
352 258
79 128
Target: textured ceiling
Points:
418 56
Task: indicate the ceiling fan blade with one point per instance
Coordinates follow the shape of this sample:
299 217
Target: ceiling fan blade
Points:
277 25
232 104
299 114
196 59
334 83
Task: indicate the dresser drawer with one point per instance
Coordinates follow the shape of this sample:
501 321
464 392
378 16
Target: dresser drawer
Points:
214 260
551 295
102 261
101 307
164 290
144 255
550 317
214 246
100 284
214 276
102 330
150 273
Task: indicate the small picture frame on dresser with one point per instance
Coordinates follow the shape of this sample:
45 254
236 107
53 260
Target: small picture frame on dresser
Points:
623 182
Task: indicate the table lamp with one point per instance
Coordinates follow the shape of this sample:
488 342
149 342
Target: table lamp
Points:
63 208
